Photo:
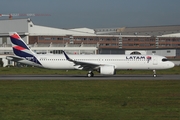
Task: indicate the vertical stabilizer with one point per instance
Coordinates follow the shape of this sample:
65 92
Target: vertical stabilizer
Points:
21 49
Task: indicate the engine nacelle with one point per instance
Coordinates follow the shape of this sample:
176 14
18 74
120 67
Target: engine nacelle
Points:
107 70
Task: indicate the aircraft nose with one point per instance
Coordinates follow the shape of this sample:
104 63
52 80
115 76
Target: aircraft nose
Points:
171 64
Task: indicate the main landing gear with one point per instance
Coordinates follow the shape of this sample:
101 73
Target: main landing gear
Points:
154 73
90 74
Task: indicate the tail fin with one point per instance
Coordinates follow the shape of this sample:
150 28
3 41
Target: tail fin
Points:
21 49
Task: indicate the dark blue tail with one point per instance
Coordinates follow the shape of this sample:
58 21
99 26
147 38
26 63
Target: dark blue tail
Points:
21 49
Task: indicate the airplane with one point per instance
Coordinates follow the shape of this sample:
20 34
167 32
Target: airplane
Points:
104 64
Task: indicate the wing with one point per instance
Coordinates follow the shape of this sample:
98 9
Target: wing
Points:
83 65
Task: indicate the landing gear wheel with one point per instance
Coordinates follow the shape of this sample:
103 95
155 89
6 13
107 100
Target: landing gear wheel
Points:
90 74
154 75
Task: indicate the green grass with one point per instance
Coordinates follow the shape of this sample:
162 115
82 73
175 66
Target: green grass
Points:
42 71
90 100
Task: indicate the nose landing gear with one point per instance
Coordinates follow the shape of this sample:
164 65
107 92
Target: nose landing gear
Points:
154 73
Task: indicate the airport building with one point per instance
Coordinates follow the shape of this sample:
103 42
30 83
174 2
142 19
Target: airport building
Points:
161 40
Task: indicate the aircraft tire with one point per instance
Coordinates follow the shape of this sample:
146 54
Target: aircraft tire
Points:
91 74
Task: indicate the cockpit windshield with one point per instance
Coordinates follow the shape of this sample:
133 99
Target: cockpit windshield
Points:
164 59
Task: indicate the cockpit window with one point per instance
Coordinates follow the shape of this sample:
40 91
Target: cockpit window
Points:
164 59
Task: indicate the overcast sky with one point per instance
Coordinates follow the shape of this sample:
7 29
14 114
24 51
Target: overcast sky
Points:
97 13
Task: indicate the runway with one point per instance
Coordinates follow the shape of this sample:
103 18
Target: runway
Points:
81 77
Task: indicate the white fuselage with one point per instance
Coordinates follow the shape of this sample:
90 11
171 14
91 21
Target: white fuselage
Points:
118 61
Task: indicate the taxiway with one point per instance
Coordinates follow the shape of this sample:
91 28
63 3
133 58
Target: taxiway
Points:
81 77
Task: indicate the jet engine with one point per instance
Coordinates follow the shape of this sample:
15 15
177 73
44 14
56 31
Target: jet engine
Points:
107 70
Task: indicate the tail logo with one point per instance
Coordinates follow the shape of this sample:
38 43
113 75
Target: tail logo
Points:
21 49
17 42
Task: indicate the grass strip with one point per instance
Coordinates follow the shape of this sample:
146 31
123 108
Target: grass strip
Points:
90 100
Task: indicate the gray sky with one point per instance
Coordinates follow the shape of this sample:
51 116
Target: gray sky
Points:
97 13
